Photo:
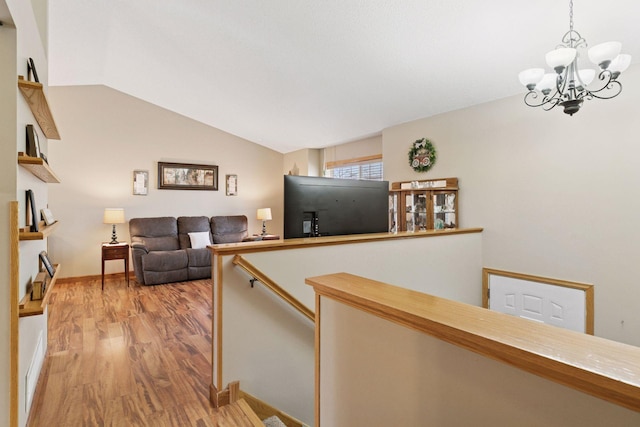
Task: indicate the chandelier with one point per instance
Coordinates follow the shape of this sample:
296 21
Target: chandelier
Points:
567 85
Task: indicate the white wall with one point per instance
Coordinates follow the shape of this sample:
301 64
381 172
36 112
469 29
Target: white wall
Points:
8 182
106 135
269 347
418 380
305 162
18 45
556 195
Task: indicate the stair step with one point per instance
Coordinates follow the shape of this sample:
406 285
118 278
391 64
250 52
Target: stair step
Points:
273 421
238 414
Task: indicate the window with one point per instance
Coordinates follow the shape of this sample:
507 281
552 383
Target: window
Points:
370 169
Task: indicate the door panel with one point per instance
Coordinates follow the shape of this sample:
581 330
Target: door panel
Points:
543 302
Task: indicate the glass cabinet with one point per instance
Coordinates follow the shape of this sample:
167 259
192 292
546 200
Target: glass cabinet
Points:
423 205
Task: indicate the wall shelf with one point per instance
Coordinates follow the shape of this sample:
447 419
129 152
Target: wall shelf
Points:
44 231
33 93
38 167
27 307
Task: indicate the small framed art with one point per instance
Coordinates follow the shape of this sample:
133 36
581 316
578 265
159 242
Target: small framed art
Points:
47 216
232 185
140 182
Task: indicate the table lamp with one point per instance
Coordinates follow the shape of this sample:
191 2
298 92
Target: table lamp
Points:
113 216
264 214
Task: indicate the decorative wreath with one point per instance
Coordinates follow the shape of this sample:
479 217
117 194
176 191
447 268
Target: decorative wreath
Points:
422 155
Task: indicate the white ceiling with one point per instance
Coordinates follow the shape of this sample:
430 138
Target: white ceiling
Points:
291 74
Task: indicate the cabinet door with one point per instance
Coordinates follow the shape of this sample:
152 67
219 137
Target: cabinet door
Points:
416 210
444 209
393 213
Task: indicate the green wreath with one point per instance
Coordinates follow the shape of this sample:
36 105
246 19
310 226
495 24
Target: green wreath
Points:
422 155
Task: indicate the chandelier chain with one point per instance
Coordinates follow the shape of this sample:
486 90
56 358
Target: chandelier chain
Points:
570 15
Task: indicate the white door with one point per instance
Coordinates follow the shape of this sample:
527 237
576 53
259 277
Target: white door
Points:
547 303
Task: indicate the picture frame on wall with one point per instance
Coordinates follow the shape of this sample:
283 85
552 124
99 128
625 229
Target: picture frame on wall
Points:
140 182
46 263
187 176
231 185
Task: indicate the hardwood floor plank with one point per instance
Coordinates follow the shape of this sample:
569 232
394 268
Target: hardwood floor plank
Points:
136 356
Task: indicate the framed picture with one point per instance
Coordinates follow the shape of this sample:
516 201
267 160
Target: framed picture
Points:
232 185
140 183
44 258
47 216
187 176
32 220
33 143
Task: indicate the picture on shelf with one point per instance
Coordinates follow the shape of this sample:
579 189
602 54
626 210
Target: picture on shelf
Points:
47 216
33 143
31 71
44 258
33 220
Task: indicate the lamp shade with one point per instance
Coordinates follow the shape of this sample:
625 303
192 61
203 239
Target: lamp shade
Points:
113 216
560 57
603 53
264 214
547 83
531 77
620 64
587 75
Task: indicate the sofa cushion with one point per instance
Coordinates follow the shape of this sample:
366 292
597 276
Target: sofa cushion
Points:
229 229
165 260
192 224
165 267
200 239
157 234
199 263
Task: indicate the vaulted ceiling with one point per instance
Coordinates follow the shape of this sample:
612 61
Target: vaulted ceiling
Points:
291 74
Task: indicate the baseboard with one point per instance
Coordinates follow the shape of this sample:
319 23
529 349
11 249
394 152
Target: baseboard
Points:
111 276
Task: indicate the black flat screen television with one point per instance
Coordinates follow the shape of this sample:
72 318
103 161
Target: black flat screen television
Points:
316 206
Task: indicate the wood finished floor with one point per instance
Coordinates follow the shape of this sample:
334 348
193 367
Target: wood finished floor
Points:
128 357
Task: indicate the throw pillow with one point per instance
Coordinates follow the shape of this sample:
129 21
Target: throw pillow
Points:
200 239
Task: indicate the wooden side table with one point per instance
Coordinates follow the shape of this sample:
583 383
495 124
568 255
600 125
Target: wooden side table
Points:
116 251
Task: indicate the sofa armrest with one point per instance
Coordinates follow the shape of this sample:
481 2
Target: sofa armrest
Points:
140 247
138 250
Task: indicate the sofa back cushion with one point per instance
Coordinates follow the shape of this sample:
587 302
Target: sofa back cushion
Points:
157 234
192 224
229 229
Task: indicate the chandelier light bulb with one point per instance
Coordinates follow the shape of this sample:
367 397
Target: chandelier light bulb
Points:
529 78
547 83
587 75
560 58
620 64
603 53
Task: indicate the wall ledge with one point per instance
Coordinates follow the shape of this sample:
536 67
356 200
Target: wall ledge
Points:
602 368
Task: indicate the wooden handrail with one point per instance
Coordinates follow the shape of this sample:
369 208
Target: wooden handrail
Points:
273 286
602 368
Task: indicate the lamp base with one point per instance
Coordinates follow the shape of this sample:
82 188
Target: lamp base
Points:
114 238
264 228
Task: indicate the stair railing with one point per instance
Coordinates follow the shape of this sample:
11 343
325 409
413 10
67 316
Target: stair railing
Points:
257 275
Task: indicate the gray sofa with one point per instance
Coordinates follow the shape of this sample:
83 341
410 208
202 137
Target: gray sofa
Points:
161 248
